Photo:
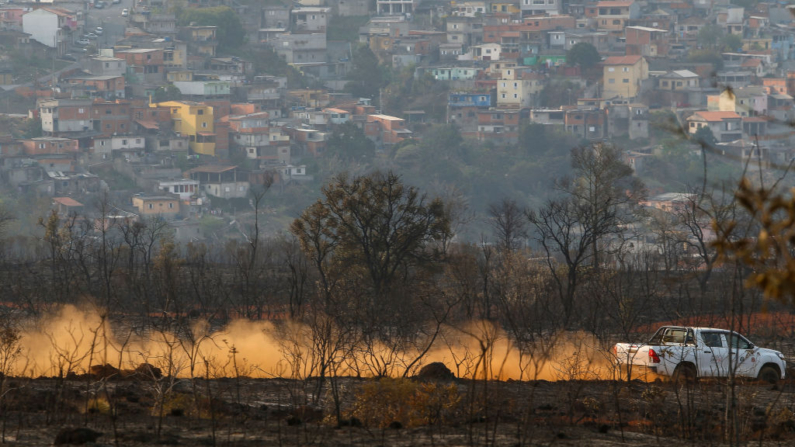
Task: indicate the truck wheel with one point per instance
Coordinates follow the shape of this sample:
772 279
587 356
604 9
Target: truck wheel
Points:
769 374
684 373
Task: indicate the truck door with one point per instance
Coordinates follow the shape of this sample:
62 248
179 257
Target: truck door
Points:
743 356
712 354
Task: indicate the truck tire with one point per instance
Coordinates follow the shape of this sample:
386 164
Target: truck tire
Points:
769 374
684 373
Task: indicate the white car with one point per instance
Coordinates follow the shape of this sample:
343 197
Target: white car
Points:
99 31
695 352
125 12
83 42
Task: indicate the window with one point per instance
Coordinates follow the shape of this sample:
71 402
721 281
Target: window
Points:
151 206
515 96
124 142
79 110
171 205
739 342
712 339
616 22
625 81
503 96
611 69
625 69
200 112
204 124
611 81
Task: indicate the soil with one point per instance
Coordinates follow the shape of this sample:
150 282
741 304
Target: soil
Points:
260 412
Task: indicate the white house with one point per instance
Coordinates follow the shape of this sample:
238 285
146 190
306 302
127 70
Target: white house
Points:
105 146
184 188
50 26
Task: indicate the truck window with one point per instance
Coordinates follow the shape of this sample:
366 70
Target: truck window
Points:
738 342
674 336
712 339
656 339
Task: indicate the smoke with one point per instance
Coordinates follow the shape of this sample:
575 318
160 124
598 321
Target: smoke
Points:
74 340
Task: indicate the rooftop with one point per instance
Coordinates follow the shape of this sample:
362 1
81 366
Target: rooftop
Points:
716 116
66 201
622 60
213 169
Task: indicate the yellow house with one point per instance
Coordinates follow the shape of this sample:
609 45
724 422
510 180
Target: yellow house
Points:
179 76
194 120
623 76
175 57
517 88
757 43
164 206
505 8
748 101
202 39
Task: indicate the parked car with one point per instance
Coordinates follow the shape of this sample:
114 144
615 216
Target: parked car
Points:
99 31
116 2
125 12
83 42
99 5
695 352
90 36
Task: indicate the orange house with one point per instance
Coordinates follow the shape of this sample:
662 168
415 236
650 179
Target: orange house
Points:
49 146
393 129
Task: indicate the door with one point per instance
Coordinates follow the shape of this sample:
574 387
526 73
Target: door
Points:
712 354
743 355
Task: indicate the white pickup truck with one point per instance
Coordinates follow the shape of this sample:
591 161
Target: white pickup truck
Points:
694 352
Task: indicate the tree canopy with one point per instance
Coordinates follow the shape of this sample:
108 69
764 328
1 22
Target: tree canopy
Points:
371 227
230 32
583 54
365 76
349 143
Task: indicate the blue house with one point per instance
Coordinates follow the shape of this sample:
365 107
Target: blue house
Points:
467 99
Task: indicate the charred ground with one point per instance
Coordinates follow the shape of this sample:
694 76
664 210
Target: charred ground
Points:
250 412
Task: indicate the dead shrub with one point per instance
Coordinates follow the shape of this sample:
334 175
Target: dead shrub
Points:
383 402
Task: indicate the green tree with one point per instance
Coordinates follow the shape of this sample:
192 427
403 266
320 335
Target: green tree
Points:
732 42
710 35
366 78
167 93
230 32
31 128
707 56
349 143
705 136
556 94
584 55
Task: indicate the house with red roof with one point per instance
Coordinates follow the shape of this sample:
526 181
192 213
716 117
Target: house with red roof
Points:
725 126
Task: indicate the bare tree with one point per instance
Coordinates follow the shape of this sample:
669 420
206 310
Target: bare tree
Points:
508 222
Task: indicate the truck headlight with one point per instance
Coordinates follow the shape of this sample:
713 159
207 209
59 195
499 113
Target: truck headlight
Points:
780 355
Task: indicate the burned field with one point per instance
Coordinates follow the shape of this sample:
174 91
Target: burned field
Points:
143 407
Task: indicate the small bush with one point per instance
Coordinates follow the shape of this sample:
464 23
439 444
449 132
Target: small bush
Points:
386 401
99 405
